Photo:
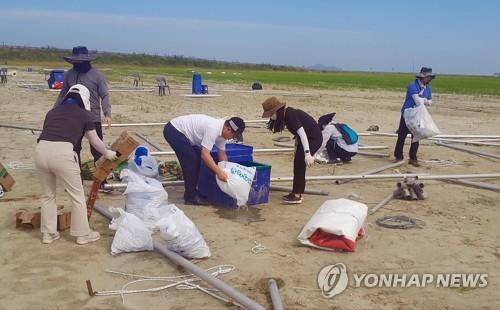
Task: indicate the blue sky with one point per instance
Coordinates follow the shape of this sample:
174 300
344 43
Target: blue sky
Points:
457 37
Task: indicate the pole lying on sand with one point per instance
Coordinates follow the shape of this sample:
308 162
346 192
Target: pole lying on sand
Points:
20 127
382 203
460 148
373 154
420 176
364 147
147 141
473 142
275 295
482 185
306 191
373 171
390 134
197 271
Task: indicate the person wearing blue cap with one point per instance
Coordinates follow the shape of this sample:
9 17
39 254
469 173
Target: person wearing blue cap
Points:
192 138
418 92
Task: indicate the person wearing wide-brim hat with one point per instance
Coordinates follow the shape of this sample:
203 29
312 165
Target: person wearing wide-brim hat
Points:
308 140
83 73
418 92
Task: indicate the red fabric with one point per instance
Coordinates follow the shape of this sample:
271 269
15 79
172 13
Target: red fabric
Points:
57 85
327 240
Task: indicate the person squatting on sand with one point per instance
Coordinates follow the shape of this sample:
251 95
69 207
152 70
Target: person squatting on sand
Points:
307 136
192 138
339 151
56 158
418 92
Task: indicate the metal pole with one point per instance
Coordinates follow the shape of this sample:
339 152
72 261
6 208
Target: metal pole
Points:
474 142
306 191
481 185
390 134
19 127
372 154
420 176
275 295
364 147
382 203
373 171
192 268
117 186
460 148
146 140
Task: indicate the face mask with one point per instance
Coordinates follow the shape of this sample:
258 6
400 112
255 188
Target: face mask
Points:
274 117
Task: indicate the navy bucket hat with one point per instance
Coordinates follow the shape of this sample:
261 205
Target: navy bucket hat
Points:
80 54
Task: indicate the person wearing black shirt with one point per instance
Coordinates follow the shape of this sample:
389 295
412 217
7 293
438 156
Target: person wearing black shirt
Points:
56 158
308 140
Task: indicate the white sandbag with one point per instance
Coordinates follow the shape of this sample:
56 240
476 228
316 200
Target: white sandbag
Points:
181 235
239 181
420 123
145 165
144 197
341 217
131 233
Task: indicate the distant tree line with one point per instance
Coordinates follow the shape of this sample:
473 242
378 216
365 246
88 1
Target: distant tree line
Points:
53 54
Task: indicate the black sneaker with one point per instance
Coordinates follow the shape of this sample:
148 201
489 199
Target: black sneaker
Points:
292 199
196 201
335 161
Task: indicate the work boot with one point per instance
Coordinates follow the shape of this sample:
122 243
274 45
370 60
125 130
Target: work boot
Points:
396 160
414 162
90 237
50 237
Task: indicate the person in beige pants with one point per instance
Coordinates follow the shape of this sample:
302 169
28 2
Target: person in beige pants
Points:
55 158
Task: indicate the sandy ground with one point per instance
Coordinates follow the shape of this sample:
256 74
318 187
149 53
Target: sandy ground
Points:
461 232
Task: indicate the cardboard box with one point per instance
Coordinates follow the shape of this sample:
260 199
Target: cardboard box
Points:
123 146
6 179
31 218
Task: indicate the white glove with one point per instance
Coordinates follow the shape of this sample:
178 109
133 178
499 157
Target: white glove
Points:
111 155
309 159
428 102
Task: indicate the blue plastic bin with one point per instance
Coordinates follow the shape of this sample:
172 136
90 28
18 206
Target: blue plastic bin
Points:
55 76
196 87
259 193
204 89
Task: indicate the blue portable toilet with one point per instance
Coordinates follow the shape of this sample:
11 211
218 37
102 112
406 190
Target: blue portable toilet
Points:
196 88
56 79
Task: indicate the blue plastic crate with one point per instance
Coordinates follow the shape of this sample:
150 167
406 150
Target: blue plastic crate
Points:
259 193
236 153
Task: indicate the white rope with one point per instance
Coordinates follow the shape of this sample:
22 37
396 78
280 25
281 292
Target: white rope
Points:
258 248
183 282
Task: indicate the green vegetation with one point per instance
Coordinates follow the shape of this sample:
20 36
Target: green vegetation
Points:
178 69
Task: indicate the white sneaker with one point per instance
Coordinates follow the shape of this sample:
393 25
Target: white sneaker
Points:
49 238
90 237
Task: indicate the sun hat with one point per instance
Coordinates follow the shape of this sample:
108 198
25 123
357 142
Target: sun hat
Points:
83 92
80 54
270 106
425 72
238 126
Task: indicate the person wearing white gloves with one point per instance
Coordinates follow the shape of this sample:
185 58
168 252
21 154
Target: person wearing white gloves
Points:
308 140
56 158
418 92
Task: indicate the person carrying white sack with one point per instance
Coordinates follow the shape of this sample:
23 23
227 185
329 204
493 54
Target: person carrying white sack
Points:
56 158
417 93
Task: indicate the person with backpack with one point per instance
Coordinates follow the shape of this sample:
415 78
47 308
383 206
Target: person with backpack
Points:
307 136
340 140
418 92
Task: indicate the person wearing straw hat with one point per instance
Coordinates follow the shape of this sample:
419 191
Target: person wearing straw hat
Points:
55 158
192 137
418 92
308 140
83 73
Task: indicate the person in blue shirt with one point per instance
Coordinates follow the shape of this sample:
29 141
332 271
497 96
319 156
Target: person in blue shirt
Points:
418 92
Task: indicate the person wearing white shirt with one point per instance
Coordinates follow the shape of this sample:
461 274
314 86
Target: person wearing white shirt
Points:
192 137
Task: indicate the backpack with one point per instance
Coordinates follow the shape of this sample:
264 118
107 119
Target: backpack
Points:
348 134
